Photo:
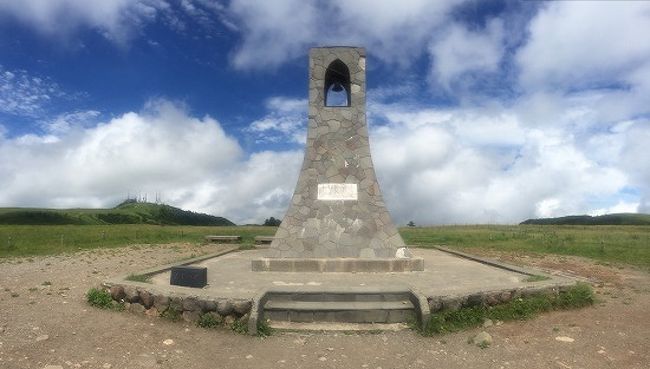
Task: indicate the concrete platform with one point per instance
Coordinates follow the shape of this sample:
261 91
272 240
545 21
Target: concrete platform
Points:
444 274
450 280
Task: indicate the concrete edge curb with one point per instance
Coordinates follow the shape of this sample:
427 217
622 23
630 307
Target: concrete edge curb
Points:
497 264
256 313
421 304
159 269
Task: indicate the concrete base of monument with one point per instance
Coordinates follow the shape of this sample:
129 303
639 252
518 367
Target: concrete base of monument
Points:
448 280
338 265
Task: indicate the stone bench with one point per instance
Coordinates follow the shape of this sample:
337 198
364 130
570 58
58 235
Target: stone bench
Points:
223 239
263 240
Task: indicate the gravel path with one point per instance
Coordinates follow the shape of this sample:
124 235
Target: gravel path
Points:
45 323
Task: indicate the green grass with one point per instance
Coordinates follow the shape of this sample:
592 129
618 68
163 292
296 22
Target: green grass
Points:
578 296
171 314
138 278
26 240
240 326
264 329
208 320
619 244
102 299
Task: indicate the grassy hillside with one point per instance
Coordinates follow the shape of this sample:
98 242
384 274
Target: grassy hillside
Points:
26 240
621 244
608 219
126 213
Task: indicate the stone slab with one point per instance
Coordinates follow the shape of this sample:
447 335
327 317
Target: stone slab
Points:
189 276
338 265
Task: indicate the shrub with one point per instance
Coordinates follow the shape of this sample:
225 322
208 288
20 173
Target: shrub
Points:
99 298
240 326
171 314
209 320
263 329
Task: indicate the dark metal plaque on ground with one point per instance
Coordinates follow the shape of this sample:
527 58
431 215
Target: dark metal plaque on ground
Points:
189 276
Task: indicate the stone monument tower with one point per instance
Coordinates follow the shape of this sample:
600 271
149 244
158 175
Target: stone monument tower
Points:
337 221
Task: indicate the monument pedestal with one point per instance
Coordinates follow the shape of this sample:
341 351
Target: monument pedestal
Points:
340 265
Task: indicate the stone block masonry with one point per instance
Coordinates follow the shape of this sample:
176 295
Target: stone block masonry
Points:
337 210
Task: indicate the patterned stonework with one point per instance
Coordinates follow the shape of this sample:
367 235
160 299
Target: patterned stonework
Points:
337 152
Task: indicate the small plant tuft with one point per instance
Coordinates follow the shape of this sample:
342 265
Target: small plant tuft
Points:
240 326
264 329
138 278
99 298
209 320
171 314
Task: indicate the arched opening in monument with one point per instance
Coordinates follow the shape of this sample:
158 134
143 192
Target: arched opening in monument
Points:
337 84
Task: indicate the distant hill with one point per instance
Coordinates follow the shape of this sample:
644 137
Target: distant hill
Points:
607 219
128 212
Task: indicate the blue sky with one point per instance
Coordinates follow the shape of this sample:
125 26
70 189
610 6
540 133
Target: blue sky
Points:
479 111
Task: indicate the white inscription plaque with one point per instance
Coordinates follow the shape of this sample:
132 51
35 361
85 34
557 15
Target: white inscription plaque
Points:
337 191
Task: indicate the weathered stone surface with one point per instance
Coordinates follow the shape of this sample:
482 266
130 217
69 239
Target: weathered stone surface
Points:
474 300
228 320
117 292
136 308
224 307
242 307
348 214
161 302
152 312
482 340
146 299
191 316
452 303
207 306
131 294
191 304
435 304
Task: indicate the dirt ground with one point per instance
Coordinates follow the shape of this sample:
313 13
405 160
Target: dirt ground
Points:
46 323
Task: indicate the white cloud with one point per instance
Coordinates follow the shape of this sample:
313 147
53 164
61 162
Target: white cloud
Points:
115 19
192 162
66 121
461 51
24 94
484 166
392 31
576 44
286 121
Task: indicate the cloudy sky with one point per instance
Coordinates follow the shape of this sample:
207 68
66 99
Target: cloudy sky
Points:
479 111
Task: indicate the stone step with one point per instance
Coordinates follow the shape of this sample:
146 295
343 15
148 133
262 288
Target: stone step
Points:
342 297
337 305
337 326
340 311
